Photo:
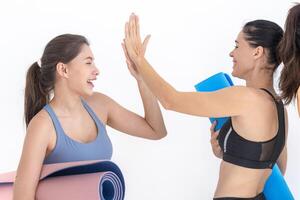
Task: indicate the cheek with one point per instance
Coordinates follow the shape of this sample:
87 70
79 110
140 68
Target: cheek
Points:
77 80
243 59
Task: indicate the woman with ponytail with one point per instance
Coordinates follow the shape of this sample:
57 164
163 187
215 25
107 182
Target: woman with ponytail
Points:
253 139
289 51
66 119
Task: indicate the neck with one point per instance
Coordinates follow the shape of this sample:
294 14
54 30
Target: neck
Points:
66 102
261 79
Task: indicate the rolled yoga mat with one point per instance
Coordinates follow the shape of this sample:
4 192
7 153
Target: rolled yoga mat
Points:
215 82
275 188
82 180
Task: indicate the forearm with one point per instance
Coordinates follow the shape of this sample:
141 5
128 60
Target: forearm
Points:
153 114
158 86
23 197
22 193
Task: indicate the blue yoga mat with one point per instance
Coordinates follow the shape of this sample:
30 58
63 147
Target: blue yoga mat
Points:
275 188
215 82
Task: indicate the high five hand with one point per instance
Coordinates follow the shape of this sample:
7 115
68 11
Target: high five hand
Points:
133 47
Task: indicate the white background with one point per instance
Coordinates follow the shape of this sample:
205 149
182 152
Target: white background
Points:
190 41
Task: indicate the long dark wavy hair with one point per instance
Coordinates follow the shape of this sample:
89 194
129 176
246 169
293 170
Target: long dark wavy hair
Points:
289 51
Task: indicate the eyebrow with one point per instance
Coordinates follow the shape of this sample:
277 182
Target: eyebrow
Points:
236 41
89 57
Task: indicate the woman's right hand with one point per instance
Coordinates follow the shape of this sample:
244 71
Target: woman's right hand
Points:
214 141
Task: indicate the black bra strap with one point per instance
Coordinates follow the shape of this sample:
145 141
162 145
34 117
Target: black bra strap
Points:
281 121
267 91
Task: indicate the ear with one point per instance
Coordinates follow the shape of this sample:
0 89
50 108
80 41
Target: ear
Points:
258 52
62 69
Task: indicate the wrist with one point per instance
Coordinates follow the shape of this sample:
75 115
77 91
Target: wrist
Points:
139 81
138 60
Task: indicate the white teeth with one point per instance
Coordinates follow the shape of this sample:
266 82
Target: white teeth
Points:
90 80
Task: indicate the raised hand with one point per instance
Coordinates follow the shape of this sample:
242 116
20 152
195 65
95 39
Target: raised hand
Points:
130 65
134 48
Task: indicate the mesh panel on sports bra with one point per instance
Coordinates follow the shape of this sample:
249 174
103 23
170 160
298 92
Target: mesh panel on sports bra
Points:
267 150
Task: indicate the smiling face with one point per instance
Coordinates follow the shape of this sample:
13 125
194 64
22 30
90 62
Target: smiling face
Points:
243 57
82 71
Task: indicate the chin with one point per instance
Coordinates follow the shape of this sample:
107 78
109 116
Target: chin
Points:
233 73
236 74
90 93
87 93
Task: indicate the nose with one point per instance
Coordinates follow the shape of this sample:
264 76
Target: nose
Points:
231 53
96 71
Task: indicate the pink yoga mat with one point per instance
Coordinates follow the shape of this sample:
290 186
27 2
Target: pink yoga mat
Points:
86 180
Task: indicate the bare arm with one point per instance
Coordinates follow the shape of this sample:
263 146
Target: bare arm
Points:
129 122
282 160
33 154
153 115
231 101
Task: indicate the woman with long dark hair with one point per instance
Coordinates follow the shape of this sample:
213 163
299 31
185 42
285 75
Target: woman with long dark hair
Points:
253 139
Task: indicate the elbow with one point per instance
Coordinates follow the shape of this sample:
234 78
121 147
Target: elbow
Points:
160 135
163 134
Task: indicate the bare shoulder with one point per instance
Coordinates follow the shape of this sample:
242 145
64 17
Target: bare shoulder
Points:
249 95
263 98
40 130
256 100
100 104
97 98
244 91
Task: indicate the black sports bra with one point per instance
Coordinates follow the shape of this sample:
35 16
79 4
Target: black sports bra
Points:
258 155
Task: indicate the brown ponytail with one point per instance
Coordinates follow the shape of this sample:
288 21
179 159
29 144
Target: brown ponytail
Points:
35 96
